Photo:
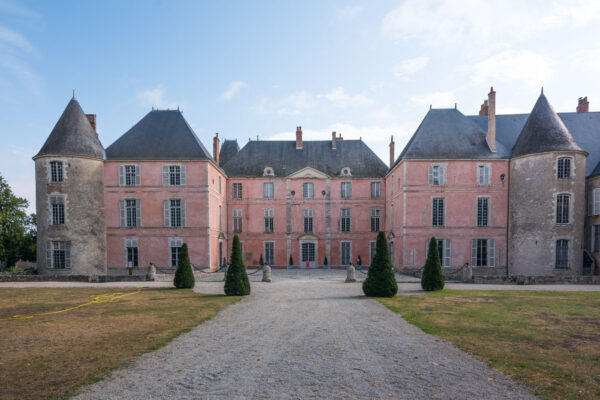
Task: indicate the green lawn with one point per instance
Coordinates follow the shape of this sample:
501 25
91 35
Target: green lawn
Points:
548 340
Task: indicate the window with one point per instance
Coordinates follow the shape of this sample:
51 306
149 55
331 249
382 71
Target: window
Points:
220 219
129 175
308 220
562 253
392 216
131 253
375 219
58 254
437 175
483 174
392 252
482 211
237 220
308 191
562 208
56 171
57 203
346 190
175 250
269 253
483 252
563 170
130 211
346 253
375 190
268 171
174 175
175 213
346 220
372 248
308 253
269 214
444 250
236 190
595 239
438 212
219 184
594 202
268 190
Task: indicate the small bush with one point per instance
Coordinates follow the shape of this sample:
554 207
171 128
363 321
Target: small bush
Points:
291 260
432 277
184 276
381 280
261 262
325 261
236 281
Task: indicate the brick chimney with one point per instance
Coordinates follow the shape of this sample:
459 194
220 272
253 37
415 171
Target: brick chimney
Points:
298 137
484 108
583 105
392 156
216 143
92 119
333 140
490 138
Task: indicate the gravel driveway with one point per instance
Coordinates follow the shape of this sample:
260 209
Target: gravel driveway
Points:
306 338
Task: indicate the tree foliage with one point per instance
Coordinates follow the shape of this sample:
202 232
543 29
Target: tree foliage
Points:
432 277
184 276
381 279
236 281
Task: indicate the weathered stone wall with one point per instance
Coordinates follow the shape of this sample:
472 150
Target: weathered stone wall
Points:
533 230
83 188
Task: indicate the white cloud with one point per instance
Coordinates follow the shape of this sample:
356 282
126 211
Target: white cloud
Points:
234 88
12 38
155 98
435 99
405 69
340 99
296 103
529 68
348 13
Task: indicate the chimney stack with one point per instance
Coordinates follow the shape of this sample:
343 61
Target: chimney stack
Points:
490 138
583 105
484 108
216 143
298 137
392 157
333 140
92 119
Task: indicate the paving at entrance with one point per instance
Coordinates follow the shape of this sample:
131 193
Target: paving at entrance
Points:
306 335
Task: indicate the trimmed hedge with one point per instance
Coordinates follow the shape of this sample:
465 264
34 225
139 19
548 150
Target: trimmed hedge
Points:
184 276
236 281
381 280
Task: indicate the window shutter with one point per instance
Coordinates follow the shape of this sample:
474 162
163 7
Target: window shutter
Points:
137 176
182 213
591 246
591 202
67 254
167 213
447 252
122 213
165 175
183 175
442 175
126 246
430 175
488 174
138 213
427 248
492 252
121 175
596 201
48 254
474 252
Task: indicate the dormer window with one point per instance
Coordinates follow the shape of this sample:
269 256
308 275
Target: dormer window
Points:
563 170
268 172
346 171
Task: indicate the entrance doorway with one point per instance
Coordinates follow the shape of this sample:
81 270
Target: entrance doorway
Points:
308 254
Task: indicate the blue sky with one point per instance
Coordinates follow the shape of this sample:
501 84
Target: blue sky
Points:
365 69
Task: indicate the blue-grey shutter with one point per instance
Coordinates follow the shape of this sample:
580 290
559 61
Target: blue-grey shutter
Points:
138 212
442 172
492 252
121 175
48 254
447 253
167 208
182 213
122 213
183 175
126 246
426 248
137 176
165 175
474 252
429 175
67 254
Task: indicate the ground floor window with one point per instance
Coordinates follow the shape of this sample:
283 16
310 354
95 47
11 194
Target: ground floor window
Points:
483 252
308 252
269 253
175 251
346 253
58 254
562 253
131 253
372 248
444 250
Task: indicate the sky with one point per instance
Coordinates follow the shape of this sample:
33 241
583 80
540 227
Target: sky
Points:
260 68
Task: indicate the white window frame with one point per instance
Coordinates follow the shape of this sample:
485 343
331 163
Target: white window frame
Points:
346 190
124 174
269 220
484 174
58 215
436 214
376 189
375 219
345 220
594 202
132 243
269 258
487 211
129 213
50 253
169 177
308 220
237 219
560 212
308 190
372 250
490 252
169 213
60 172
446 253
436 175
556 256
343 260
175 243
560 170
268 190
236 190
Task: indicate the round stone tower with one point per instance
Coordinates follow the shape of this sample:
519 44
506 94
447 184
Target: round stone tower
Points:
70 197
546 198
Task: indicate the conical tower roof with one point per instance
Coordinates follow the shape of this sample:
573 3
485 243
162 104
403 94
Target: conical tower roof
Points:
73 134
544 131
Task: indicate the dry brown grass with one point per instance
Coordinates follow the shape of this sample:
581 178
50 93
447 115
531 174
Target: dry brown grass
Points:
547 340
52 356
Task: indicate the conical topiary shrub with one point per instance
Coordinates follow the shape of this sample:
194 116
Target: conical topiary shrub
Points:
236 281
432 277
291 262
381 280
261 262
184 276
325 263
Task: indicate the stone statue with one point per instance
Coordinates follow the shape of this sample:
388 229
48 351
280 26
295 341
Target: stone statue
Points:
350 274
267 274
151 272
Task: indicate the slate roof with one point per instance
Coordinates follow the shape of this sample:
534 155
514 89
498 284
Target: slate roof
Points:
544 131
229 149
160 135
285 159
73 134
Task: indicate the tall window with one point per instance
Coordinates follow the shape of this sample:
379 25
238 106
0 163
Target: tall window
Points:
237 220
269 214
175 213
483 252
308 220
438 212
57 204
131 253
220 219
594 202
268 190
563 170
269 253
562 253
595 238
58 254
375 219
219 184
129 175
444 250
56 171
437 175
346 253
236 190
483 174
308 190
174 175
375 190
562 208
131 208
346 190
482 211
372 249
175 250
346 220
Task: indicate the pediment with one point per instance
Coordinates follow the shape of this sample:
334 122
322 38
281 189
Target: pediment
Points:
308 236
308 172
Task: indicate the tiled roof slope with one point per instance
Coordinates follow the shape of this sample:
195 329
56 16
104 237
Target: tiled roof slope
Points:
285 159
73 134
160 135
229 149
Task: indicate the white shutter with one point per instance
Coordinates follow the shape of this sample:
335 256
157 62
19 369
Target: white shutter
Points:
121 175
182 213
183 175
48 254
442 172
488 174
430 175
122 213
590 204
427 248
596 201
126 246
474 252
138 213
67 254
167 208
165 175
492 252
447 253
137 176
